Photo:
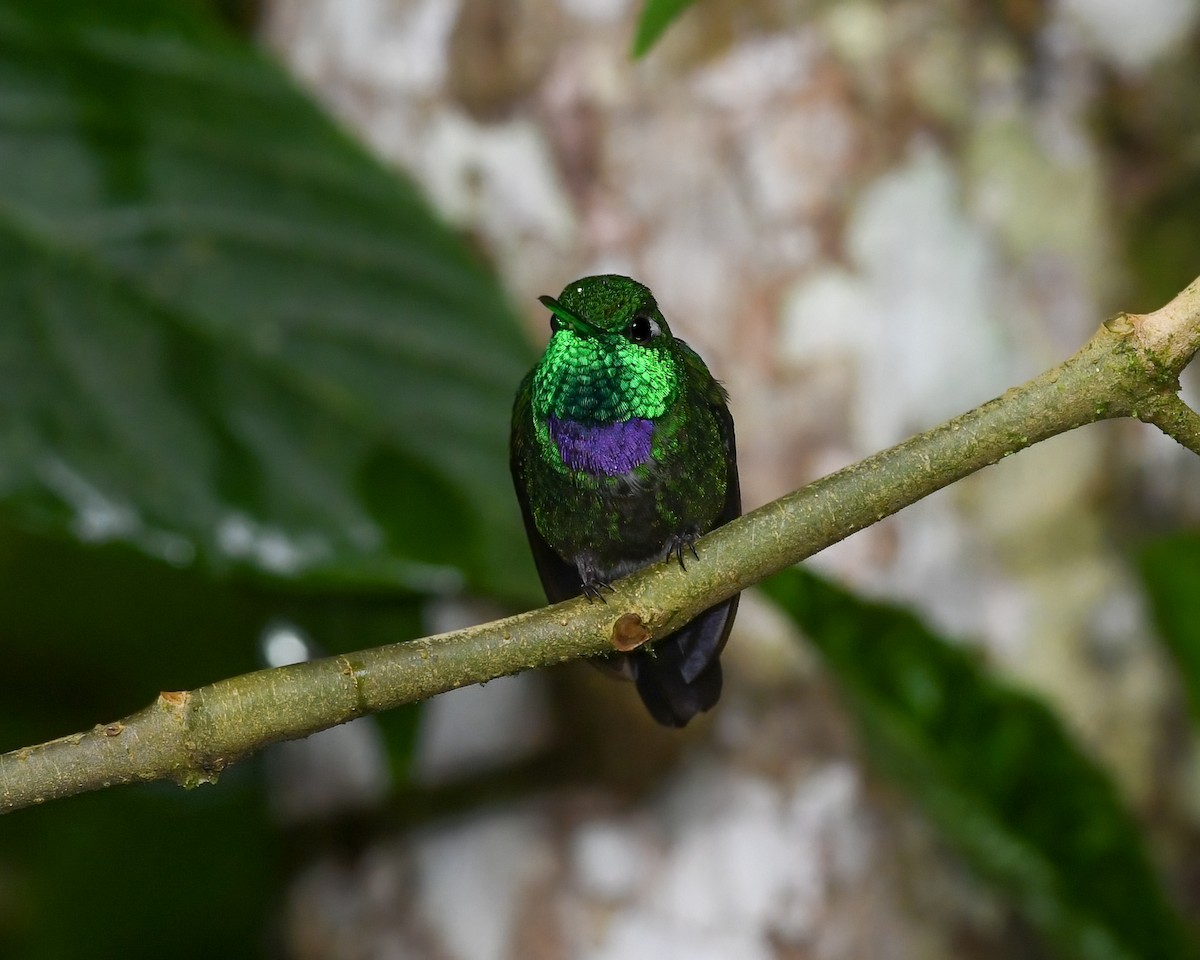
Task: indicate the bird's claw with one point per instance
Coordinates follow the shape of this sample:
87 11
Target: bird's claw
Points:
682 543
594 590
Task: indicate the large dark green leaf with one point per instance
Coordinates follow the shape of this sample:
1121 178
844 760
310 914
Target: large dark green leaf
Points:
89 634
141 872
1171 575
996 771
229 336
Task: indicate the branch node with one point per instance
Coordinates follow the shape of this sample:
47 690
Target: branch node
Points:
175 701
629 632
191 778
348 670
1123 324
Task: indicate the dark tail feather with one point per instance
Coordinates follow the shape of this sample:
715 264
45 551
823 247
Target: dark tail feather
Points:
701 640
671 699
681 676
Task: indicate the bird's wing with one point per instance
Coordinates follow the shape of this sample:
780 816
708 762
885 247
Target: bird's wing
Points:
559 579
733 488
708 392
702 640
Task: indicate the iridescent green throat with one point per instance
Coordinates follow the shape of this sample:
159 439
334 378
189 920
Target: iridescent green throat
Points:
602 379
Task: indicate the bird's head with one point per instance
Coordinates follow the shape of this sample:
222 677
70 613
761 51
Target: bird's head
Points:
610 355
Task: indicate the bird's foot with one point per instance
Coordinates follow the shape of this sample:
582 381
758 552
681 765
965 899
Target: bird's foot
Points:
594 589
593 580
683 543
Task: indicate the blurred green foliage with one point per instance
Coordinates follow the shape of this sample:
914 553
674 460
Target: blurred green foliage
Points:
997 772
656 16
141 873
1170 569
232 337
87 634
245 374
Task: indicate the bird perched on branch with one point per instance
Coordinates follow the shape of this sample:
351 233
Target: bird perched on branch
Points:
622 454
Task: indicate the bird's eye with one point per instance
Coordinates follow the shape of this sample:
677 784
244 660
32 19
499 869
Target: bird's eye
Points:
555 324
642 329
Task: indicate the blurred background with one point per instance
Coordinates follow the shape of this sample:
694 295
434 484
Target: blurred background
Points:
268 281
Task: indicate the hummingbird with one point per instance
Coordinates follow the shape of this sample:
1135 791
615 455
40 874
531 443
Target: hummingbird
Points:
622 454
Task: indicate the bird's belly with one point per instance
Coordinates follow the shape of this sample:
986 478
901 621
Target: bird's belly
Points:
618 524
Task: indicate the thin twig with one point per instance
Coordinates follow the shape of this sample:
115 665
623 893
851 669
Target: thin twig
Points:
1173 417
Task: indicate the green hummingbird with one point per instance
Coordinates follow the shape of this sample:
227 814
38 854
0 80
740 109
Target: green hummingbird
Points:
622 454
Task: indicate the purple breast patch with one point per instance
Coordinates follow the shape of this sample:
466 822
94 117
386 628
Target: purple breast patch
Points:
608 449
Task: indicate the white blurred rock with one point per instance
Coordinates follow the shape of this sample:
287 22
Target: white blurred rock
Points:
481 727
915 311
597 11
609 859
472 878
1134 35
644 935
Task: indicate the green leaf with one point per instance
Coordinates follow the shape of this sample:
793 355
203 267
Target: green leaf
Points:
90 634
230 336
994 768
1170 571
133 627
656 17
141 872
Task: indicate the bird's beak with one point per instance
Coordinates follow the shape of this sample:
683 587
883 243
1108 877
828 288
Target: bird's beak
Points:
577 324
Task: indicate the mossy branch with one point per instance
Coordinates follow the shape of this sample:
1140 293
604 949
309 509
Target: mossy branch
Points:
1130 368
